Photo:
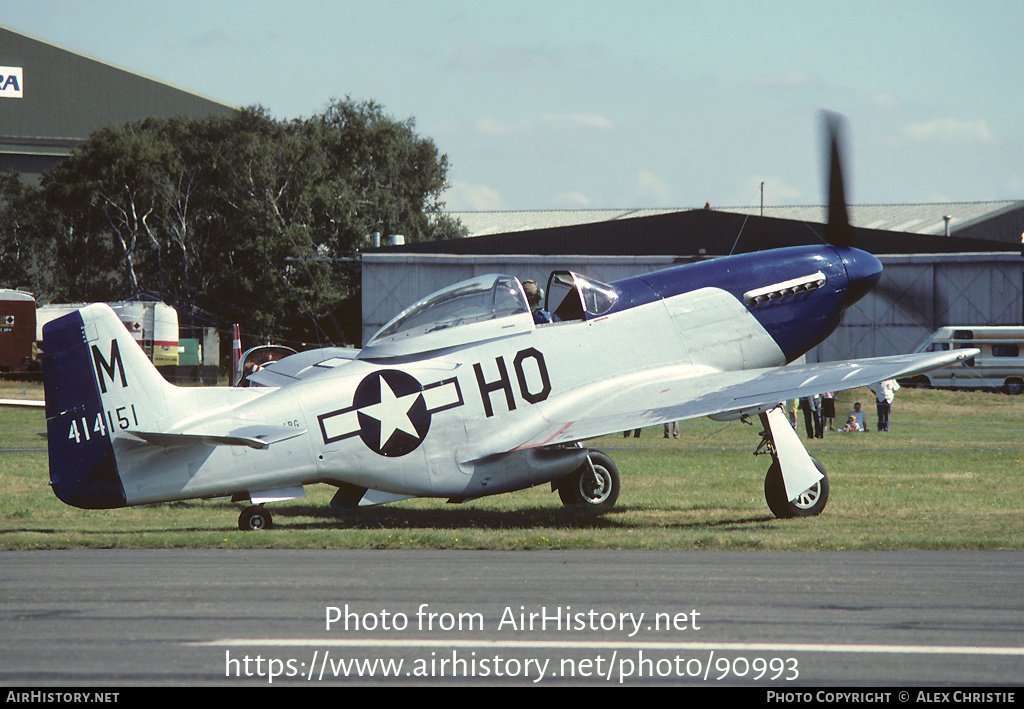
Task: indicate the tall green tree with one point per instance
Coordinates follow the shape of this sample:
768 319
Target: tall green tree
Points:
395 178
107 212
239 215
17 222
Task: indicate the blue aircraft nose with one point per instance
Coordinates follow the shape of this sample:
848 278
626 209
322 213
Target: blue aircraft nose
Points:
863 271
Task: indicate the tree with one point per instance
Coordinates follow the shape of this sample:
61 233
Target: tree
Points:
396 177
239 215
16 253
105 211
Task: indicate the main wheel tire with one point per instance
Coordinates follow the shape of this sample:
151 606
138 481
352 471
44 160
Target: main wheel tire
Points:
254 518
581 488
809 503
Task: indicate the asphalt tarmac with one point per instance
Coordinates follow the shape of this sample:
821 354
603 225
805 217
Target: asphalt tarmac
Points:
782 621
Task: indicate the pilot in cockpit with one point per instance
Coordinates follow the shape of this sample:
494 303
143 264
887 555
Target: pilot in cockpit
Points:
533 297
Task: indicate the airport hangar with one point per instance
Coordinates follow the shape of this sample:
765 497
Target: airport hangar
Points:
946 264
52 99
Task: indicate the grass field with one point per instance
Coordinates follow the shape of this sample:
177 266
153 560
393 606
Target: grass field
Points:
948 476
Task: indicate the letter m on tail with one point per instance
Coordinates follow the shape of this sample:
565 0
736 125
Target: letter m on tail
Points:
108 367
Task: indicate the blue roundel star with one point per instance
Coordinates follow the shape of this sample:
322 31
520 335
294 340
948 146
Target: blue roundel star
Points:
393 417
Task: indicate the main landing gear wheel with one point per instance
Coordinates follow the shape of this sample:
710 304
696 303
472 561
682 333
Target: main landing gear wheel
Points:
809 503
597 487
253 518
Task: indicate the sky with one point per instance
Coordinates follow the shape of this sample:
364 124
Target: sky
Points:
612 104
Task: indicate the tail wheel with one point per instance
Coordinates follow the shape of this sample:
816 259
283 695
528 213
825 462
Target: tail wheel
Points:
809 503
597 487
254 518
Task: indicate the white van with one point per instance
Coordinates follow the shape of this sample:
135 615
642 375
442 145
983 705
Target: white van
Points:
1000 365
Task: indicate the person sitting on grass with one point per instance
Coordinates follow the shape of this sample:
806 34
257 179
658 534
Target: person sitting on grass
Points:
858 416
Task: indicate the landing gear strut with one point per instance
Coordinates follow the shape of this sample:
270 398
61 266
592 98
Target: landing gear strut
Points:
796 484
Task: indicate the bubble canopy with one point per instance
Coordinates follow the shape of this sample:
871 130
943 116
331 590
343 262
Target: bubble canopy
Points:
486 306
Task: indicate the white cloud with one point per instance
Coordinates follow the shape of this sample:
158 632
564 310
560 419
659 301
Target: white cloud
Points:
792 80
464 197
579 120
885 101
549 123
575 200
949 131
1014 183
649 190
502 129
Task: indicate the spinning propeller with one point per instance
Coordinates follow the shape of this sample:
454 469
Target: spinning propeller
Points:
862 269
839 233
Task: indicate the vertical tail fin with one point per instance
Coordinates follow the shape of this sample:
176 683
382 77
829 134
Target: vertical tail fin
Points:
98 385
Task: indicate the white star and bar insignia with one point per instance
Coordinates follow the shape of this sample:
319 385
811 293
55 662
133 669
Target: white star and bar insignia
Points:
391 412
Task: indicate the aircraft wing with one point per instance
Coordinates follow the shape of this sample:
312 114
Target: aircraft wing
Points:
676 394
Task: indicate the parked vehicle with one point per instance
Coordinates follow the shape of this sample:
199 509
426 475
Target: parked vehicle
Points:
153 325
999 366
17 331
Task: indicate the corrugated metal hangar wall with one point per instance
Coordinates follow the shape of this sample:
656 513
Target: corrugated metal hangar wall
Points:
920 293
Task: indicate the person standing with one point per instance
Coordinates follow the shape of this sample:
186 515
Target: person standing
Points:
828 411
885 392
811 406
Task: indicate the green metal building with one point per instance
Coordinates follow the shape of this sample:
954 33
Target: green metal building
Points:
52 98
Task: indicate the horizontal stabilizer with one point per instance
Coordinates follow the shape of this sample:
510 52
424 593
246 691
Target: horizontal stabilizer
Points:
28 403
259 437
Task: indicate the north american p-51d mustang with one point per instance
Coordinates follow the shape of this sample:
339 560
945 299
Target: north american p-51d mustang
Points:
463 395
